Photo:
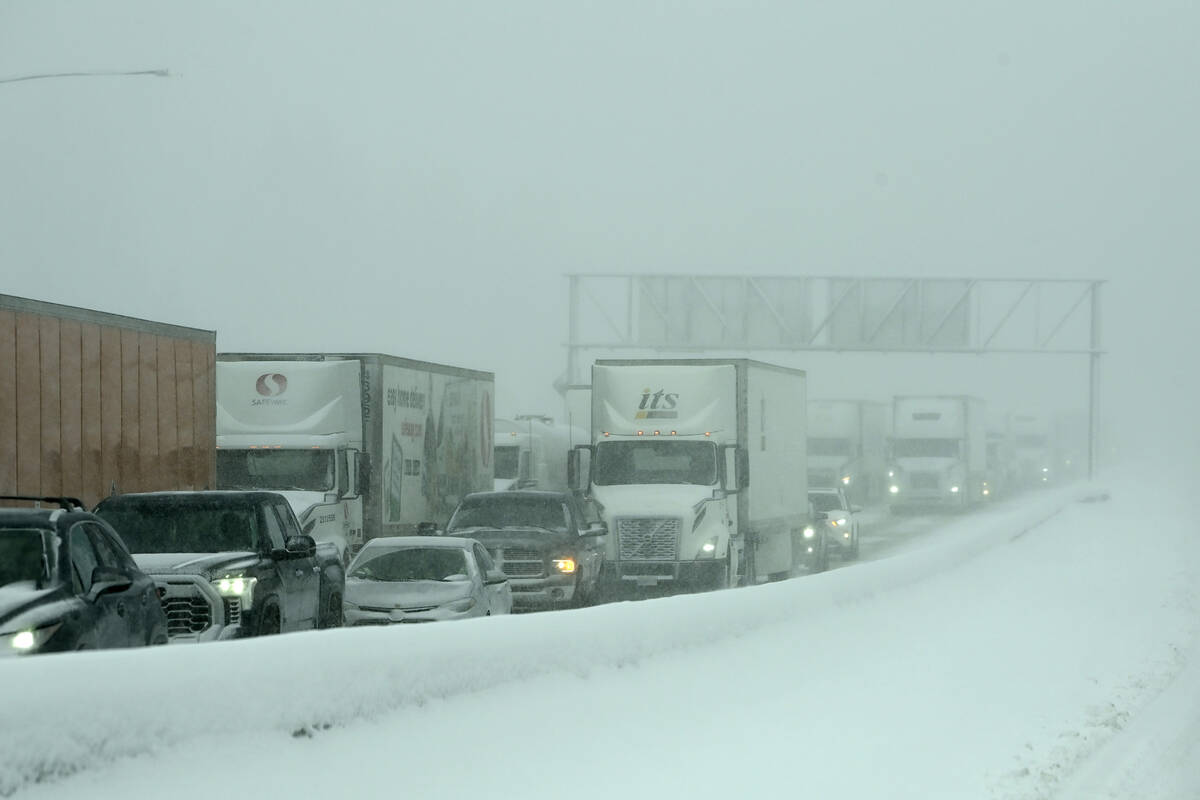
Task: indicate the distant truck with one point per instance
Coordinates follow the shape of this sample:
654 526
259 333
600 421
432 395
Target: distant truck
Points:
93 403
1001 456
938 451
699 469
361 444
531 453
229 564
1034 449
847 446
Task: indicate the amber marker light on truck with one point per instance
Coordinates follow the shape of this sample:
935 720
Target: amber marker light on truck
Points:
565 565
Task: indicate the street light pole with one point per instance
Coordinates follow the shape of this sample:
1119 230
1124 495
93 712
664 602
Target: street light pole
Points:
158 73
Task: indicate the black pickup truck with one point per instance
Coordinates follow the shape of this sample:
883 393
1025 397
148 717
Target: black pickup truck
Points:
229 564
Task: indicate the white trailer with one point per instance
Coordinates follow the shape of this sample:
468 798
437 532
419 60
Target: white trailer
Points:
531 453
361 444
699 466
847 446
1034 449
938 451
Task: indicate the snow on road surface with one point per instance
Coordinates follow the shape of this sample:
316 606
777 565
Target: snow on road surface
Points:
998 657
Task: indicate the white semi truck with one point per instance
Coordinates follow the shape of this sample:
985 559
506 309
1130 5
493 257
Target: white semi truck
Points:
847 446
699 467
531 453
361 444
1034 449
938 451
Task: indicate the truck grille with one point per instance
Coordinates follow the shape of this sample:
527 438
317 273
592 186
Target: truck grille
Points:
519 562
923 480
186 615
654 539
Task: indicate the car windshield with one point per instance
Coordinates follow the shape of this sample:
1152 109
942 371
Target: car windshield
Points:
925 448
650 461
501 511
23 558
825 501
411 564
167 527
306 470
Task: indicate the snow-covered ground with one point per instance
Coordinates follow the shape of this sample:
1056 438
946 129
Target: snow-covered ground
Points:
1044 648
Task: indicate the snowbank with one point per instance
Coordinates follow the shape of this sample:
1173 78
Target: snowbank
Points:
66 714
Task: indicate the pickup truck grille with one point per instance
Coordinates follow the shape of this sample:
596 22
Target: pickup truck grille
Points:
519 562
187 615
923 480
648 539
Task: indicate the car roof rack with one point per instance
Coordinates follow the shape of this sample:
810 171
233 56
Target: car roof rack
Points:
67 503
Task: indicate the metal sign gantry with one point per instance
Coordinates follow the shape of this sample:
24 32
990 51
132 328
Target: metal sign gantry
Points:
689 313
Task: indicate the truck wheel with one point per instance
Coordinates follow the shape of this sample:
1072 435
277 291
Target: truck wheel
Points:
269 622
331 615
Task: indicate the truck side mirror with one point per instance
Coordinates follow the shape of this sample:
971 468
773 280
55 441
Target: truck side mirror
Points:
743 468
363 479
576 479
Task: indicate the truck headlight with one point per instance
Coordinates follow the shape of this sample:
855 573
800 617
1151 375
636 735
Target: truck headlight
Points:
566 566
954 490
29 640
894 489
845 480
809 532
465 604
708 549
237 586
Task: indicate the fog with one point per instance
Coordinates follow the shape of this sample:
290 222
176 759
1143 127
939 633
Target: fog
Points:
417 178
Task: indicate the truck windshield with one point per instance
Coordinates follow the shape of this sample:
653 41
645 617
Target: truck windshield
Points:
501 511
925 448
410 564
22 557
649 461
826 446
305 470
508 458
166 527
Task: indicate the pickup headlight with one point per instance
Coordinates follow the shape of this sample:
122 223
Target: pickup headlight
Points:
29 640
566 566
465 604
237 586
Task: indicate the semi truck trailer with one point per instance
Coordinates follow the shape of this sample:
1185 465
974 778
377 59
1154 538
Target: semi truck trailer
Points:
847 443
361 444
699 468
938 451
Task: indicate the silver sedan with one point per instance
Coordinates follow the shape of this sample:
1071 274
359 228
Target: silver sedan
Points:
423 579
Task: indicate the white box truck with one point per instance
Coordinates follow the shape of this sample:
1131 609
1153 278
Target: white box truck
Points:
847 446
699 467
531 453
361 444
938 451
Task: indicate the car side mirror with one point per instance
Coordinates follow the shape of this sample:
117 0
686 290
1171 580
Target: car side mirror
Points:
599 528
495 576
300 546
107 580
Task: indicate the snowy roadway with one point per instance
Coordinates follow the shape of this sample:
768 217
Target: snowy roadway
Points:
1043 649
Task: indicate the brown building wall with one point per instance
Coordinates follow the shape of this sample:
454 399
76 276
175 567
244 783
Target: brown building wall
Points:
91 402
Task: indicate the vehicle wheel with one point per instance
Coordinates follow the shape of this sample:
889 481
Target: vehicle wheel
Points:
269 622
331 616
578 599
852 552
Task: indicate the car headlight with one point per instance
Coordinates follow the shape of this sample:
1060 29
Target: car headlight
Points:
29 640
237 586
465 604
845 480
566 566
809 532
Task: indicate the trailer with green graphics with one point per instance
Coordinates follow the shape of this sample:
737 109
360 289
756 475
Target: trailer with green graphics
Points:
700 468
362 444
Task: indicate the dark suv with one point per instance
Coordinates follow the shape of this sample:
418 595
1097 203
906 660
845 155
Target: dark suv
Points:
67 582
549 544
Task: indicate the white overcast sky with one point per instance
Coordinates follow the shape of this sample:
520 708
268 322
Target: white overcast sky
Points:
416 178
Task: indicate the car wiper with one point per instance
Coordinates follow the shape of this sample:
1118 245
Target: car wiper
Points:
529 528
